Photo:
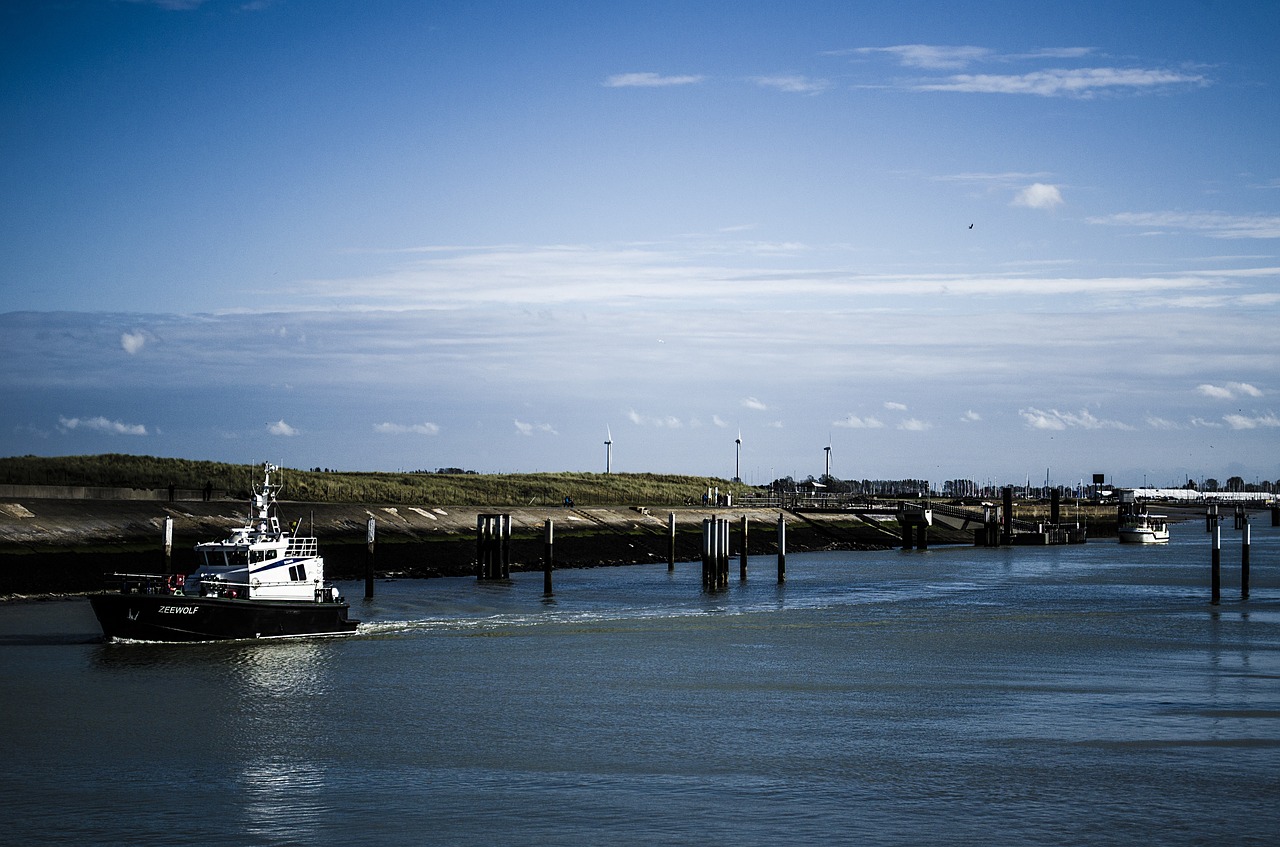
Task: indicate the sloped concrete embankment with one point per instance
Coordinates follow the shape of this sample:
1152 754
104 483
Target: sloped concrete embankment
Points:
53 545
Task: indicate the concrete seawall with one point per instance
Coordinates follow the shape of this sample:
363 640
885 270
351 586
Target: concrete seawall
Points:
52 545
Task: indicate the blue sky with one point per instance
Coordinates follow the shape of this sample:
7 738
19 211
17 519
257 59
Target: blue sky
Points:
987 241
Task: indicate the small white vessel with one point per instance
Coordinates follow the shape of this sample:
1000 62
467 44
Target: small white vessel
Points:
1143 529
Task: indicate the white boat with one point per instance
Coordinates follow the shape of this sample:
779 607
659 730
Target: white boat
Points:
261 581
1144 529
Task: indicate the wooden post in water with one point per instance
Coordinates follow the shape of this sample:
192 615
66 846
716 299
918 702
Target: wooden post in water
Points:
1244 563
1275 515
742 557
723 580
506 546
671 541
168 545
482 526
1211 517
548 557
370 533
782 548
706 551
1215 573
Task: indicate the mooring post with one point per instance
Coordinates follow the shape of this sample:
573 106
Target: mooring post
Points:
742 558
671 541
369 535
1244 563
1215 574
548 557
782 548
1211 517
1275 515
1006 536
506 546
168 545
724 553
922 536
706 550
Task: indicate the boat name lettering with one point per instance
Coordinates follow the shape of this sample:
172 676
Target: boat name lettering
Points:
177 610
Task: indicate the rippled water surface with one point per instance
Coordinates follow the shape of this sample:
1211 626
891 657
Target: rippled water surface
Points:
1070 695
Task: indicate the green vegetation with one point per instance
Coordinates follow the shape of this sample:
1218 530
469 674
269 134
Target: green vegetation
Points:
115 470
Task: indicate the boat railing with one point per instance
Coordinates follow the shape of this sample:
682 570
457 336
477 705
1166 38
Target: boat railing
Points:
145 583
303 547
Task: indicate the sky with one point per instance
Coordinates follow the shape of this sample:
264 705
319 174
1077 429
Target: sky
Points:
999 241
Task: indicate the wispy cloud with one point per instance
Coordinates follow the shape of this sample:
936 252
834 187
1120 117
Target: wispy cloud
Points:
1268 420
928 56
753 403
1081 83
914 425
1038 195
895 407
857 422
1228 391
1056 420
402 429
530 429
647 79
1209 224
101 424
667 422
282 428
793 83
971 417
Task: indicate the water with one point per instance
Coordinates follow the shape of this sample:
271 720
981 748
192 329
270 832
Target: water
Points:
1068 695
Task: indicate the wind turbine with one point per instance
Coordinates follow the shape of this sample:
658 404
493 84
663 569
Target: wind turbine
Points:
827 450
608 451
737 457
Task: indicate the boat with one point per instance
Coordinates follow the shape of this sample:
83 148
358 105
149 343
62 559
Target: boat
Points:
1143 528
261 581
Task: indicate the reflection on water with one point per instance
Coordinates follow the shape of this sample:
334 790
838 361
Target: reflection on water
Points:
284 800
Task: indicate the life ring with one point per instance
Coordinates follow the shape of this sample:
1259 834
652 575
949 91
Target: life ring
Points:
175 583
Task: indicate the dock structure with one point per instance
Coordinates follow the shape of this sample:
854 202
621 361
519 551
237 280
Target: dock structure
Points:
493 547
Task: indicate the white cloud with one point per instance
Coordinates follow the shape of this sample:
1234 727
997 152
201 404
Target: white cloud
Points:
1201 423
529 429
971 417
1208 224
793 84
855 422
425 428
1038 195
1080 83
753 403
650 80
1055 420
281 428
101 424
896 407
132 342
1229 391
914 425
930 56
1268 420
1161 423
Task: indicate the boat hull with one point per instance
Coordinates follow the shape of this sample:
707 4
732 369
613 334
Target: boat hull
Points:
176 617
1143 536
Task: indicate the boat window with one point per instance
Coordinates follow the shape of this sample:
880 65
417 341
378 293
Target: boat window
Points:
273 554
255 556
298 573
237 558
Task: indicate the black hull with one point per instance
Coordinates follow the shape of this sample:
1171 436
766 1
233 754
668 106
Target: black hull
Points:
169 617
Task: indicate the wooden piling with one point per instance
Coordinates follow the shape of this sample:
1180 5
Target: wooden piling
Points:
369 536
548 556
1006 535
1275 515
742 555
782 548
168 545
493 547
671 541
1244 563
1215 574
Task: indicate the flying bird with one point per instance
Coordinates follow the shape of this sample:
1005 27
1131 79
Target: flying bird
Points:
970 226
